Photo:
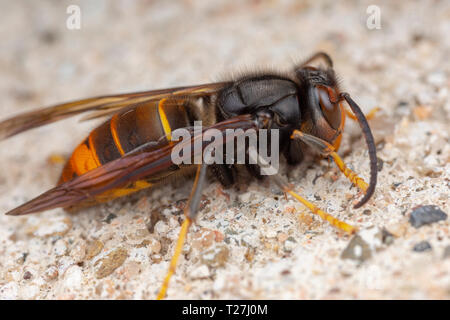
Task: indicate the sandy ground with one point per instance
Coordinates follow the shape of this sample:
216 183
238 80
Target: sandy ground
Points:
249 242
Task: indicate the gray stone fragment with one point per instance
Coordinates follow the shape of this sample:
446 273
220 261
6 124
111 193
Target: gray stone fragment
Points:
425 215
422 246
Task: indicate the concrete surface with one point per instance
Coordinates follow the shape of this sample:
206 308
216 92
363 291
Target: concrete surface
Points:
249 242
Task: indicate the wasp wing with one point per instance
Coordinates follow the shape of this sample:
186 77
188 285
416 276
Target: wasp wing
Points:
100 106
131 167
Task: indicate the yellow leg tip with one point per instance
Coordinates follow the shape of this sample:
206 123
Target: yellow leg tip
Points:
325 216
353 177
372 113
173 263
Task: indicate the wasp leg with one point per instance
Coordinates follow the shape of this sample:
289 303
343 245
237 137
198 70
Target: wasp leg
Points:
190 212
369 116
328 150
287 188
314 209
319 55
173 263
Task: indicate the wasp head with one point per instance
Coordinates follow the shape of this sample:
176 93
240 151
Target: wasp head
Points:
322 112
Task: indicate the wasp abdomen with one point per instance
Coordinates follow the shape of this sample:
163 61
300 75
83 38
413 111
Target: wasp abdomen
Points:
125 132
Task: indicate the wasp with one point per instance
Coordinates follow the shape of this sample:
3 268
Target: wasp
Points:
132 149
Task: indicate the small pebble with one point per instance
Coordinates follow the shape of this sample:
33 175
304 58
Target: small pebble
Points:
357 249
78 252
289 244
55 227
249 254
271 233
111 262
422 246
51 273
446 254
93 249
437 78
426 215
380 164
387 237
161 227
155 216
156 258
216 257
203 239
282 237
110 217
23 258
73 278
60 248
27 275
422 112
153 244
200 272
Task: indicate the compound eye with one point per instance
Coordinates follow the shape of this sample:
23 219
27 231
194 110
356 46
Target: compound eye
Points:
330 110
